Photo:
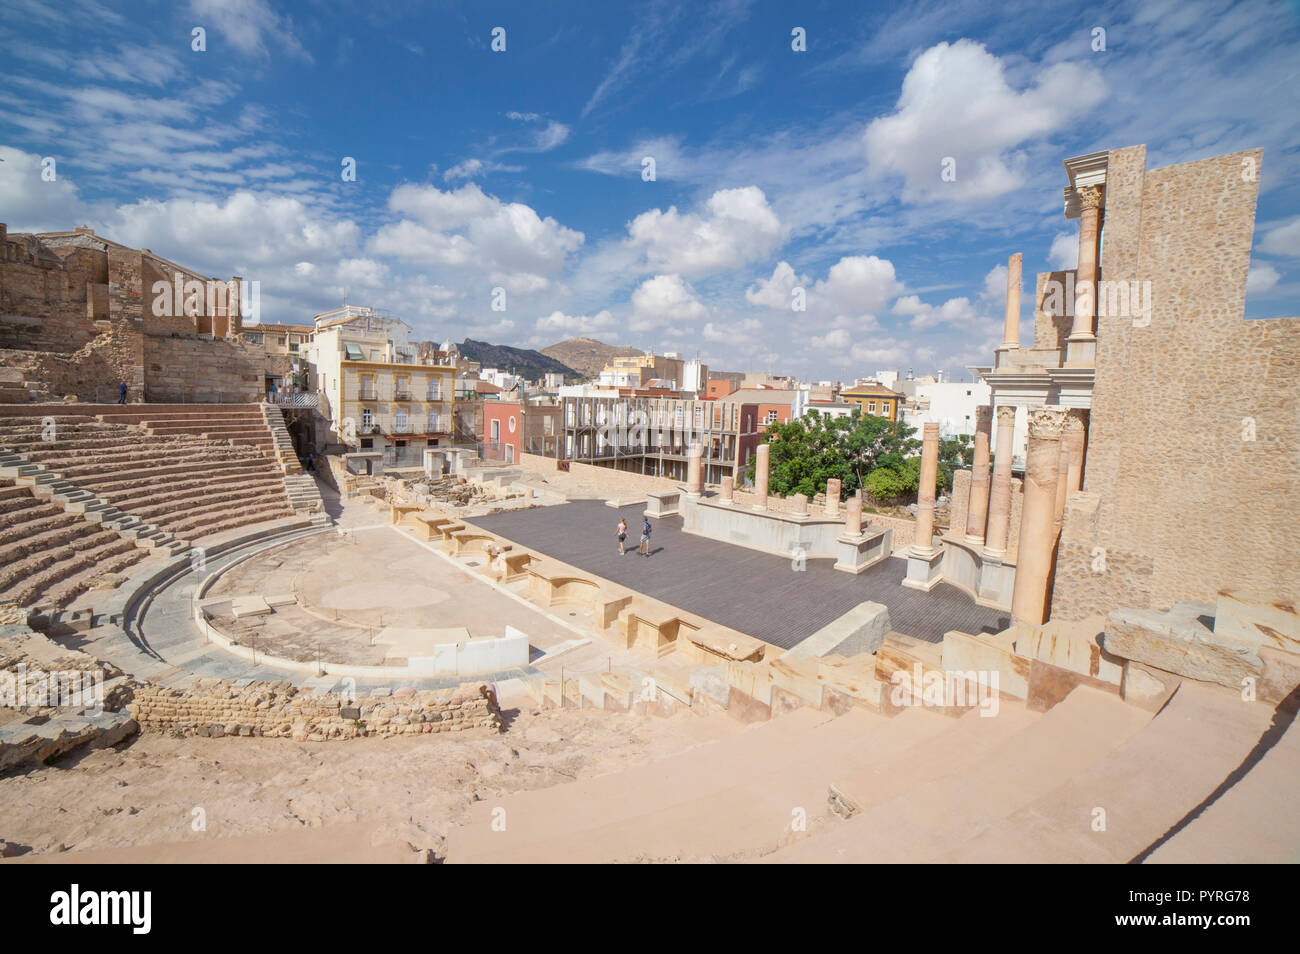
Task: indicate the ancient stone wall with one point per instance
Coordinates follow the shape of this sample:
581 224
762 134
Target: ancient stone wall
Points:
216 708
1194 436
189 368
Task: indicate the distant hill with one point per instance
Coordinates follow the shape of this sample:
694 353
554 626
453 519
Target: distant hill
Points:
587 356
522 361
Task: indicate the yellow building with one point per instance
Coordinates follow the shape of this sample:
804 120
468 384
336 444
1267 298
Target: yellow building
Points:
875 399
381 394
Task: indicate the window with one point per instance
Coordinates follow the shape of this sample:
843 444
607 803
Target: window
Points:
496 431
400 419
354 352
771 417
871 407
511 423
435 422
367 417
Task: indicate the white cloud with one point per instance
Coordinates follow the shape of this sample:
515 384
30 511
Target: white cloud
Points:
1283 240
560 323
857 285
731 332
469 169
466 226
246 25
777 292
956 103
995 284
955 311
663 299
1064 254
1261 278
736 227
835 340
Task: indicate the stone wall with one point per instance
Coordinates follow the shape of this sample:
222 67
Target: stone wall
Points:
184 369
1181 487
215 708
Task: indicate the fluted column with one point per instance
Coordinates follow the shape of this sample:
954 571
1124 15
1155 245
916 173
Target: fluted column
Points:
925 497
977 505
762 456
1062 473
1081 346
1037 519
995 539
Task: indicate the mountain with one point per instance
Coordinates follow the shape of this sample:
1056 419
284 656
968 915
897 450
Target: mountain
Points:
587 356
522 361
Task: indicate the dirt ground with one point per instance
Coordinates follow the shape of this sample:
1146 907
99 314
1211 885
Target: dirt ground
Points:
155 789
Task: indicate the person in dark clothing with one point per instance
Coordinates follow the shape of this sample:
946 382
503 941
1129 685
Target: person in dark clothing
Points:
121 393
644 549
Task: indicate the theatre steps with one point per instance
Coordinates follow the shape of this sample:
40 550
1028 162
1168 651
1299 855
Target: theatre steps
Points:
726 799
1151 781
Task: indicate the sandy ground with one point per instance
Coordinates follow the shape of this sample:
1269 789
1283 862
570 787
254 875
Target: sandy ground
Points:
403 793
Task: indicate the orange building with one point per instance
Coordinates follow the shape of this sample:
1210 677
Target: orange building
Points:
875 399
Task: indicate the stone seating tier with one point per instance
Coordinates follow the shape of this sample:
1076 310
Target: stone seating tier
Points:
49 557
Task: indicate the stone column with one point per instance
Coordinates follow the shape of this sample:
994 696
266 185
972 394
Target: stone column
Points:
833 497
977 506
924 560
799 504
763 453
1081 346
925 494
695 469
1062 472
728 488
1075 437
999 522
853 519
1011 323
1037 520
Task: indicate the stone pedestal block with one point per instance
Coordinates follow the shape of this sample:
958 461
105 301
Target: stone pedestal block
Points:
924 570
859 551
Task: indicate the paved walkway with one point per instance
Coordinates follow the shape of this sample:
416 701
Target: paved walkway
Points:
754 592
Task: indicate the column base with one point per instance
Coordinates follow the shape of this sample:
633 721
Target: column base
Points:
860 551
1081 351
924 568
974 540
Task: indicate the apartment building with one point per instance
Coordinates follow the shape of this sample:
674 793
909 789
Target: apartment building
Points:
282 346
652 435
637 371
379 391
513 427
874 399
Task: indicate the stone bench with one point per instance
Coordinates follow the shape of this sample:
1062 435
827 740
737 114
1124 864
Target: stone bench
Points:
644 628
465 541
431 525
512 566
398 511
663 503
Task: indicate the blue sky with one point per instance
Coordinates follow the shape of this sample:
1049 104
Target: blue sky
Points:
522 169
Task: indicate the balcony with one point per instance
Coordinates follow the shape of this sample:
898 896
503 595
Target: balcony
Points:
401 393
434 395
365 393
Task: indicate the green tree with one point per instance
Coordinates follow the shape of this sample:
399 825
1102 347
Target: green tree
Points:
807 452
955 453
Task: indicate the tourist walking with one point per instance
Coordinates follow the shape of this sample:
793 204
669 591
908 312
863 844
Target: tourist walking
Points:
621 533
121 392
645 537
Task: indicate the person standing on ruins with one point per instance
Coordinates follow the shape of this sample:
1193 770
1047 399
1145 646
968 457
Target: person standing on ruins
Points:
621 532
645 537
121 392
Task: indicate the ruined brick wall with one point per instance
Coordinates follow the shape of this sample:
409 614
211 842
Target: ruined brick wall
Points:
43 296
216 707
1186 502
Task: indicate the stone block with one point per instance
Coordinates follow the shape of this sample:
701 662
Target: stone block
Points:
1275 624
1181 644
1280 678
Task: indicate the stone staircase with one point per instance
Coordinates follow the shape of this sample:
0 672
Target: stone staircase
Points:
304 494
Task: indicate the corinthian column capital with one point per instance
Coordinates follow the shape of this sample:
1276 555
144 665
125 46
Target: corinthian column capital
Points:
1048 422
